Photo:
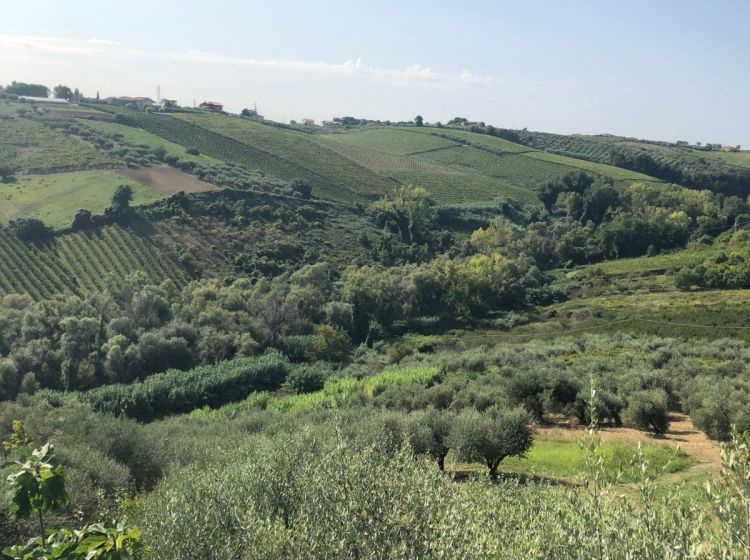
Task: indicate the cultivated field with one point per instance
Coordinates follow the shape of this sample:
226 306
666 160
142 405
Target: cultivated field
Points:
80 262
167 180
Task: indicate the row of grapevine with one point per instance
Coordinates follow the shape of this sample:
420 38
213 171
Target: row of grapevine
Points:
27 268
80 262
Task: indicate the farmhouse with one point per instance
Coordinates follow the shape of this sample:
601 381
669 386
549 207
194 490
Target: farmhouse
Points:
730 149
212 106
308 122
331 124
139 102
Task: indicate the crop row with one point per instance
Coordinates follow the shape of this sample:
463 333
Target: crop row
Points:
80 262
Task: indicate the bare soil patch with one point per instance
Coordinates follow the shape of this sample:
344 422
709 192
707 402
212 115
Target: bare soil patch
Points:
167 180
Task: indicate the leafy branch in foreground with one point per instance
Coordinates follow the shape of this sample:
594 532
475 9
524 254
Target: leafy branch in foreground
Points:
731 497
38 488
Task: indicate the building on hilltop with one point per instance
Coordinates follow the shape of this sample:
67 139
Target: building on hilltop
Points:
730 148
331 124
212 106
139 102
308 122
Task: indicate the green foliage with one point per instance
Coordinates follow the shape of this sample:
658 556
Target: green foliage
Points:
81 262
31 90
306 494
30 229
429 433
731 498
177 391
18 439
38 485
647 410
491 436
332 344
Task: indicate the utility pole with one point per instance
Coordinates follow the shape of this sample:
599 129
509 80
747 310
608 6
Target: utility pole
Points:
158 94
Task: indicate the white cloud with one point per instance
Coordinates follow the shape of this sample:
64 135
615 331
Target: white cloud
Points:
106 49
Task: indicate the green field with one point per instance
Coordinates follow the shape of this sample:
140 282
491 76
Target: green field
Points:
566 460
54 198
459 166
139 137
291 154
403 141
31 147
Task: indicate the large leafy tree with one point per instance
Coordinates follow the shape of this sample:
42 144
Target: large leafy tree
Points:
408 210
62 92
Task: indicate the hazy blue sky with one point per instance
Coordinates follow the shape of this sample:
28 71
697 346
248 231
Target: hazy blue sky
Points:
657 69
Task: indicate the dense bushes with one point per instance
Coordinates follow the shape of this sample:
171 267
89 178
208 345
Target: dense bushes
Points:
725 270
176 391
320 495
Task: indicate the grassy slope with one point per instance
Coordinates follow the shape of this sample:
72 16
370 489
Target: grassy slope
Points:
139 137
460 166
31 147
291 154
54 198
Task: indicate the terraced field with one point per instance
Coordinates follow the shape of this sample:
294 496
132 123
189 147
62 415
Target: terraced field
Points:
55 197
80 262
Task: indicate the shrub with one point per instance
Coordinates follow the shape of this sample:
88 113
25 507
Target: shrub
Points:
491 436
182 391
193 151
647 410
30 229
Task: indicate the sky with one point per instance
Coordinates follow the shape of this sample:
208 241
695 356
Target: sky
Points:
666 69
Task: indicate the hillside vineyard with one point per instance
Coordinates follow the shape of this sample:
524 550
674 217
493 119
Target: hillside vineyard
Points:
228 337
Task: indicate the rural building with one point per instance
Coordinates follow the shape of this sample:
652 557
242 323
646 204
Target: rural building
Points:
308 122
730 149
212 106
139 102
331 124
50 100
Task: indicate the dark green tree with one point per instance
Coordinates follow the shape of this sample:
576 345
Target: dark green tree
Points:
122 198
418 120
62 92
429 434
491 436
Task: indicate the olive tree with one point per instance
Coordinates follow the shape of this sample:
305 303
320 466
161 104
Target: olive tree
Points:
647 410
430 432
491 436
